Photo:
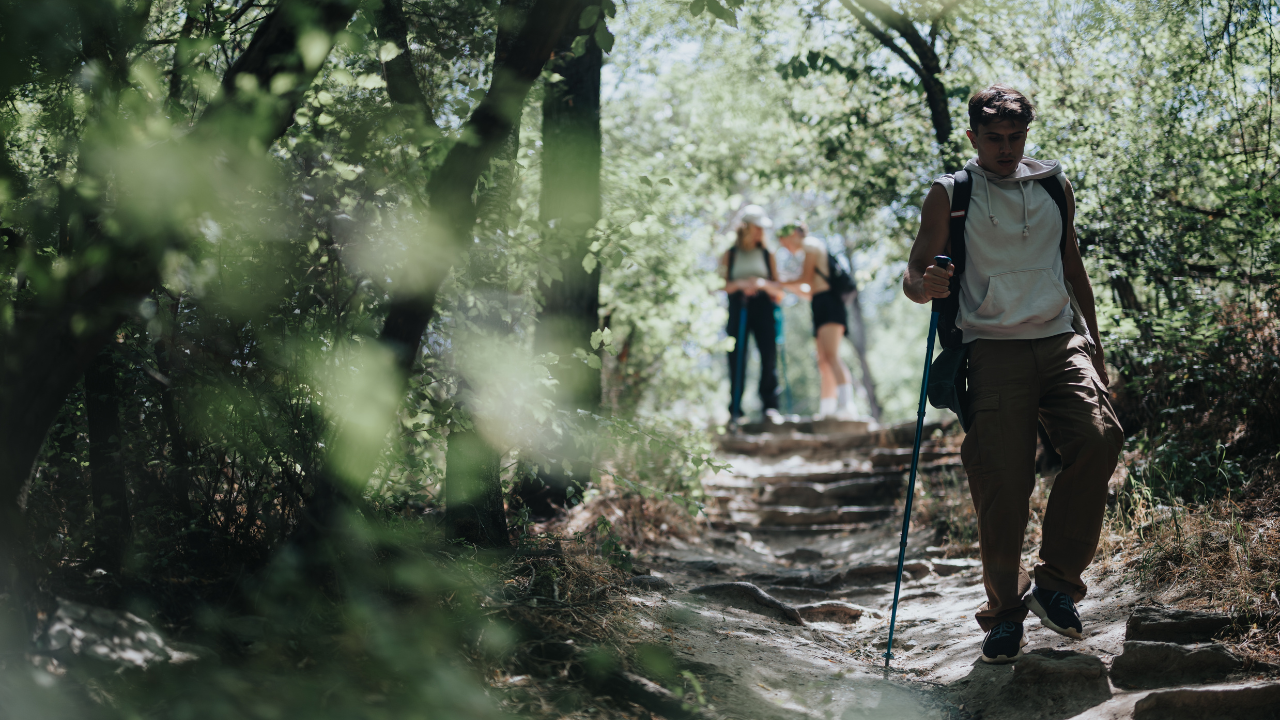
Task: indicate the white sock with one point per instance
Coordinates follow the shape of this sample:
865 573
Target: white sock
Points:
826 406
844 396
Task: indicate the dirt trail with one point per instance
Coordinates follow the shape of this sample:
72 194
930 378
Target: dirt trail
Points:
806 514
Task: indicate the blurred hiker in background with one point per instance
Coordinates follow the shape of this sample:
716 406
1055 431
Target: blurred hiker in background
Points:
826 294
750 274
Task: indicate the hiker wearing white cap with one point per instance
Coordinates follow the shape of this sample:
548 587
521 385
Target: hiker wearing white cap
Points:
749 272
830 318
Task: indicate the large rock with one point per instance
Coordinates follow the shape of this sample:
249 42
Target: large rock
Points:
830 611
111 639
1158 624
1250 702
1157 664
650 582
745 596
1059 666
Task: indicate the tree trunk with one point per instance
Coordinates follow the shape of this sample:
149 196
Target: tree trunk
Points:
858 336
518 63
474 509
570 204
107 481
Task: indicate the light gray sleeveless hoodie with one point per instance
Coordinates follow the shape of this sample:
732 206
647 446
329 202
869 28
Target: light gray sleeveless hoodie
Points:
1012 287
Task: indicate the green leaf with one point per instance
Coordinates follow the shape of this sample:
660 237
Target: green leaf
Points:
723 13
696 7
645 179
665 181
579 45
589 16
589 263
604 38
388 52
596 338
610 8
593 362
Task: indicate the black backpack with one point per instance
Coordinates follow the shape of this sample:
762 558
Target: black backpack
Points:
948 374
841 282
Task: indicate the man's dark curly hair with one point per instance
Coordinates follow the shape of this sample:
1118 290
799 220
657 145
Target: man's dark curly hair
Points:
999 102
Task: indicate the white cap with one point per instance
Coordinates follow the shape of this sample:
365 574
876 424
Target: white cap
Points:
755 215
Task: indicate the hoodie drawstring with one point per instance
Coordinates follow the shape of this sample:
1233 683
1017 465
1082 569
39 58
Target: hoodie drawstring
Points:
986 183
1026 221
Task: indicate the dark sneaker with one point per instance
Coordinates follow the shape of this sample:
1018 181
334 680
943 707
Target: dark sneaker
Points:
1057 612
1003 643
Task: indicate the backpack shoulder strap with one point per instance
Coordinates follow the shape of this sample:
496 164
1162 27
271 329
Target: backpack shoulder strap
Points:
768 265
1053 186
961 191
733 255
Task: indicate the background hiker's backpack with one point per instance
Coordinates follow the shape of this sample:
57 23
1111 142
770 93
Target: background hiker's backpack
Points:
948 376
841 280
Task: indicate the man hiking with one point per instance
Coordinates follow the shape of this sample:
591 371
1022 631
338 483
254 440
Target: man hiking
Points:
1026 366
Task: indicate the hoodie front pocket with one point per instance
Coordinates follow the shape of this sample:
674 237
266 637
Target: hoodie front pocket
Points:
1022 296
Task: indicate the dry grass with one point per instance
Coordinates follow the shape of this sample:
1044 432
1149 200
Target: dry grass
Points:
574 596
1213 557
639 521
548 601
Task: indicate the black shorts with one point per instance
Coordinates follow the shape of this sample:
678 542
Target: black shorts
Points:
828 308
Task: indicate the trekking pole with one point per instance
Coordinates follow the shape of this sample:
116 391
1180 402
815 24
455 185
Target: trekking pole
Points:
943 262
781 342
741 348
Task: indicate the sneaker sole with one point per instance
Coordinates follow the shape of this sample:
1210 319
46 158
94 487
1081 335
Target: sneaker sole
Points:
1003 659
1034 606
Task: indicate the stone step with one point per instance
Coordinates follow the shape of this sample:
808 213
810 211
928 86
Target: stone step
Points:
819 445
901 457
840 493
810 426
796 515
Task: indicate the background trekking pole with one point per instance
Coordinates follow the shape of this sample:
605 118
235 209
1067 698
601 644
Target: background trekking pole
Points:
780 341
740 347
943 262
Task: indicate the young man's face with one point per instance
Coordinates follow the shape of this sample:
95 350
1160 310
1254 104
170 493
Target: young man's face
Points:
999 145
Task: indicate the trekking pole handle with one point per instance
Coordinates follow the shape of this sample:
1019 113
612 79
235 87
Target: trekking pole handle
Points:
942 261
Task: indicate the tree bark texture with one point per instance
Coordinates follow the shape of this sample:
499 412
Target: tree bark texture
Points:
108 483
570 205
46 350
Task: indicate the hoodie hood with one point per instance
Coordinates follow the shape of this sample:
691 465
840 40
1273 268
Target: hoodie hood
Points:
1029 170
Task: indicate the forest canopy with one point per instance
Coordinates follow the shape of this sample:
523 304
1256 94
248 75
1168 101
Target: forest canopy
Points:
306 300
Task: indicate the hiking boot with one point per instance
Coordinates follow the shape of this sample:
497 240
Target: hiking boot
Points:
773 416
1057 611
1003 643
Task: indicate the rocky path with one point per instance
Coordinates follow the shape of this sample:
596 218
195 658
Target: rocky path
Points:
780 609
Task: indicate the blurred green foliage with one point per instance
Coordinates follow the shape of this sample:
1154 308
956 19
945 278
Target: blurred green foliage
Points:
236 242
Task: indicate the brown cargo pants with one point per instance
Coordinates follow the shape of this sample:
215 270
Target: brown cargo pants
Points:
1012 384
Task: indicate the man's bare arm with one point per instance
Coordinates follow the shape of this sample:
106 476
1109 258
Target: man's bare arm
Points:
1073 270
923 280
